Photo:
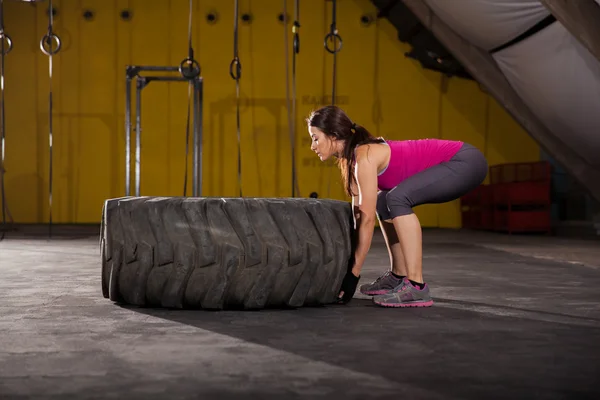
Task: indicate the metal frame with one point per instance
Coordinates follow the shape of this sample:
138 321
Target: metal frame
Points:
133 72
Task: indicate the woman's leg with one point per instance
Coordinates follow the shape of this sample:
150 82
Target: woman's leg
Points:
408 230
394 248
438 184
393 276
397 263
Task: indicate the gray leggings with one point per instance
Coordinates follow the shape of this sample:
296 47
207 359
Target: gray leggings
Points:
439 184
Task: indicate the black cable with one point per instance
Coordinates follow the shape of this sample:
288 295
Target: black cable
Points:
236 76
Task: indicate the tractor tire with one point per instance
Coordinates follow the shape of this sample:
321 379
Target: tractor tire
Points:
224 253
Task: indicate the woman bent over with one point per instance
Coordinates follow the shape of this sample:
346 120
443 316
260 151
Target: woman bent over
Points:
386 179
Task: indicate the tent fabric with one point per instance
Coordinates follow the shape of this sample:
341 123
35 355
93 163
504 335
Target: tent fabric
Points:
489 23
559 79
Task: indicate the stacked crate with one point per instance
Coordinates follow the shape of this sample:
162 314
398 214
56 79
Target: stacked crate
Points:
476 208
516 200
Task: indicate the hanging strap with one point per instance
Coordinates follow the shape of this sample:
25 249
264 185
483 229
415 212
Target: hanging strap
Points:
335 38
292 113
189 69
236 74
295 31
47 49
4 50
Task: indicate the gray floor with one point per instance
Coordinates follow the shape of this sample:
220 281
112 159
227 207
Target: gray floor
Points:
515 318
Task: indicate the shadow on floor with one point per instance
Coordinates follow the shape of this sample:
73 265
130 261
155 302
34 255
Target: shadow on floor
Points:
455 352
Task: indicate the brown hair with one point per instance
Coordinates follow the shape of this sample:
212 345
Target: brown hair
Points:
336 124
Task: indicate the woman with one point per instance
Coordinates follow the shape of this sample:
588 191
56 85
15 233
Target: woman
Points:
386 179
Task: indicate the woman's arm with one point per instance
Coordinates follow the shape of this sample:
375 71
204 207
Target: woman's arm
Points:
364 205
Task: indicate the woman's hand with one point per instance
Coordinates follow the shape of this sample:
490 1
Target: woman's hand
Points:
348 287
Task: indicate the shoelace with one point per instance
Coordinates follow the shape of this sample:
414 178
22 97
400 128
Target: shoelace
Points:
383 276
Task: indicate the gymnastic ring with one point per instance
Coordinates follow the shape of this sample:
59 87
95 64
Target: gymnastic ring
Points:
332 36
189 68
9 41
47 39
238 71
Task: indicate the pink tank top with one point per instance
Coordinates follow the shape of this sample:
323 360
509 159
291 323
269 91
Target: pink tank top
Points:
409 157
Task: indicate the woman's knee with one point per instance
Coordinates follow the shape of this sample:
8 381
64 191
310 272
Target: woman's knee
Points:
399 202
383 213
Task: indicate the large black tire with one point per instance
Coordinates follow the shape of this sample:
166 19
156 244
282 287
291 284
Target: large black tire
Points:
218 253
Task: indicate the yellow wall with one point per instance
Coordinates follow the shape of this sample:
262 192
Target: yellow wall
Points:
377 85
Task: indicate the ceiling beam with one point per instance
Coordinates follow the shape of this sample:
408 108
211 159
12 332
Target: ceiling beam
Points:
581 18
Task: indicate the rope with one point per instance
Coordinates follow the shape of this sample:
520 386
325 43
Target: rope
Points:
333 35
292 114
190 85
47 40
4 51
236 75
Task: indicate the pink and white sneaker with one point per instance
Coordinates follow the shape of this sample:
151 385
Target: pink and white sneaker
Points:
405 295
382 285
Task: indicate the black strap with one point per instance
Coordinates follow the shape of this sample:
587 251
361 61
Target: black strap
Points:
4 50
549 20
46 41
236 75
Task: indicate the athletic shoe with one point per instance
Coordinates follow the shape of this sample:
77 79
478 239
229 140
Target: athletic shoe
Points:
405 295
382 285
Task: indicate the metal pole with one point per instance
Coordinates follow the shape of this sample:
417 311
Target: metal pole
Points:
140 83
197 163
138 131
200 132
141 68
127 135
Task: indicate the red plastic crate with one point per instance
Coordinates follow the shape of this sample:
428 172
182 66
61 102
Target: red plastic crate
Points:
487 219
522 221
538 171
516 200
476 212
521 193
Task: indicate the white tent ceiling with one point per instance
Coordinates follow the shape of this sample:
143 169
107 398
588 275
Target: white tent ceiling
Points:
489 23
552 72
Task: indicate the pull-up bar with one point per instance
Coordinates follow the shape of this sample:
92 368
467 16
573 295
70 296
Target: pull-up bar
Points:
141 82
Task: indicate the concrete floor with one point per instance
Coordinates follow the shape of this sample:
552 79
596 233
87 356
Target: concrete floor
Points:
515 317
